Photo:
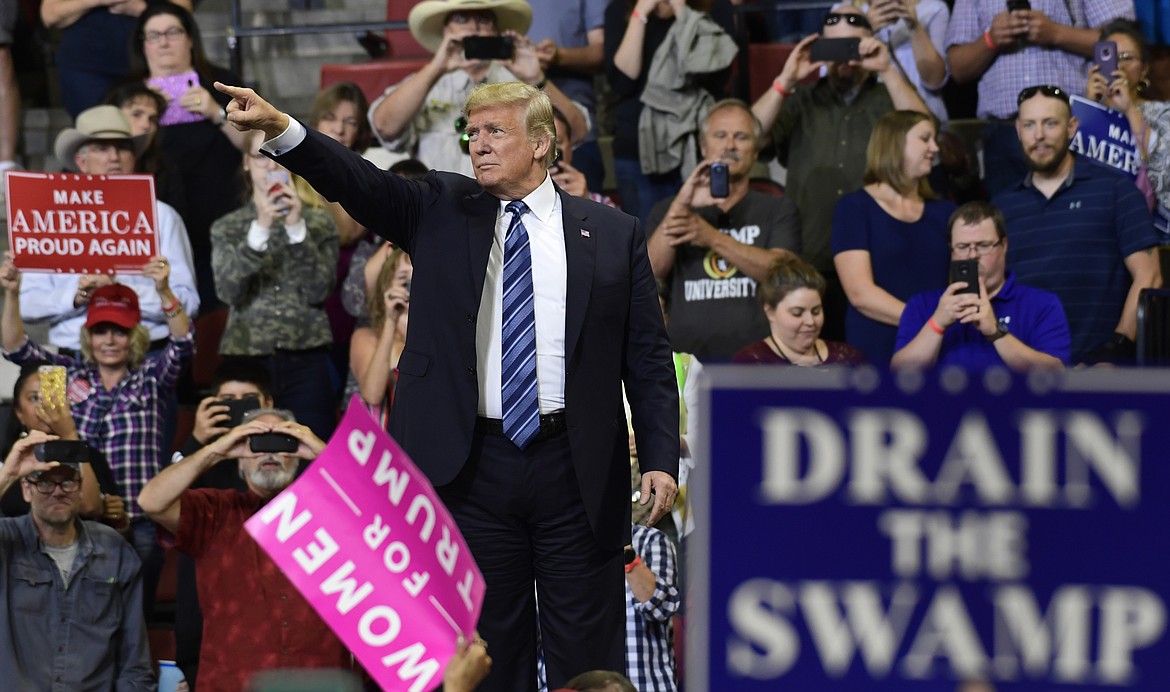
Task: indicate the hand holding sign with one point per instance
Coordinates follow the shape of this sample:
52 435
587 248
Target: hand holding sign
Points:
10 276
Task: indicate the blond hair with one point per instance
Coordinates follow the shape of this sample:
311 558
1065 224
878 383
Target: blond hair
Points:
139 345
376 300
538 110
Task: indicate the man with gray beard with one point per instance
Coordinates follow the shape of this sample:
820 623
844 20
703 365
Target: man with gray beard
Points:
249 606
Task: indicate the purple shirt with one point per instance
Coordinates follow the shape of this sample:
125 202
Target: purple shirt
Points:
1033 316
1012 71
125 423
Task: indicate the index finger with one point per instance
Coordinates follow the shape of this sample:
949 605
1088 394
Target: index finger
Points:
233 91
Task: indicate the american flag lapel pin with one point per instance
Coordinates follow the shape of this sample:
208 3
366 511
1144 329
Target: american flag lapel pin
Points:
584 233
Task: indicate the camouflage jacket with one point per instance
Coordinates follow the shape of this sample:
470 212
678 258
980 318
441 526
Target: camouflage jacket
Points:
276 296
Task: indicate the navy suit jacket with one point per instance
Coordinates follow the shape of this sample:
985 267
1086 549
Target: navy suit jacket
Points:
614 331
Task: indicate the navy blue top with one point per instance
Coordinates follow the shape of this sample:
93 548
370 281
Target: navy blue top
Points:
1033 316
1075 245
906 258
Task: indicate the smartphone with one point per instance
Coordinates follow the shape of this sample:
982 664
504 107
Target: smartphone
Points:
52 382
720 183
488 47
1105 58
966 270
174 86
1013 5
238 407
67 452
835 50
273 443
274 180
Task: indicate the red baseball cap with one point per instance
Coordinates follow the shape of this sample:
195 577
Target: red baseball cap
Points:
115 303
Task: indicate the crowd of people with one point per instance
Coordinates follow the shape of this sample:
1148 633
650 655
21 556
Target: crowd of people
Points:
536 357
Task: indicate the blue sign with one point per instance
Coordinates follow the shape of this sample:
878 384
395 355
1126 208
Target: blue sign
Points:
1104 135
906 532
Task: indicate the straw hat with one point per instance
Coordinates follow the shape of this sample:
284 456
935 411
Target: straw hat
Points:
428 18
97 123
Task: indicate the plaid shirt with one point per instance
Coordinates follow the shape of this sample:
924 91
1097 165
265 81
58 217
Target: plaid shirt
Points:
649 630
1012 71
125 422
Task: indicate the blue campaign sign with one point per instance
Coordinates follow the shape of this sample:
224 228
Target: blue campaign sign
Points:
1104 135
862 531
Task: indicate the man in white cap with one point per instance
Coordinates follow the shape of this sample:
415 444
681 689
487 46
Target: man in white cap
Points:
422 114
103 143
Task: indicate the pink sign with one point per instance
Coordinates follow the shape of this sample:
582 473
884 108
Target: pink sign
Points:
364 537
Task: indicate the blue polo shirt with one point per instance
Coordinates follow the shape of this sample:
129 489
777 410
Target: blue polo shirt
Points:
1033 316
1075 245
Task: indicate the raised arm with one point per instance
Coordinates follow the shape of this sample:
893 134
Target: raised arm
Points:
160 496
159 270
11 325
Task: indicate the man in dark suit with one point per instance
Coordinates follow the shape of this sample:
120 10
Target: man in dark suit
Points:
530 310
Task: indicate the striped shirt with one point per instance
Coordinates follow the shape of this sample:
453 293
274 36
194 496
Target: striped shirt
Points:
1074 244
1014 70
124 423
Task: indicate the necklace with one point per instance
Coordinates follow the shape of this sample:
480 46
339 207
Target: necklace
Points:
816 351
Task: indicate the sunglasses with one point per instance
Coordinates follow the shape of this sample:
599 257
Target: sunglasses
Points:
1051 92
849 18
464 138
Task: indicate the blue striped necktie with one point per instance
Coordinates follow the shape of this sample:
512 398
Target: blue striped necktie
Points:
518 335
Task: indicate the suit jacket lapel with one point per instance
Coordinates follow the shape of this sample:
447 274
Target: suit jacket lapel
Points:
579 255
481 209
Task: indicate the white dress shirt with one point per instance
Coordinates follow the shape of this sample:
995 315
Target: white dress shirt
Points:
546 239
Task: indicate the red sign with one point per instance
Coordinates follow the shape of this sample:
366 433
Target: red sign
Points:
81 224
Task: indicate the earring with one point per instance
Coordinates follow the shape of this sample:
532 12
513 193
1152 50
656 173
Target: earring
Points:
1143 85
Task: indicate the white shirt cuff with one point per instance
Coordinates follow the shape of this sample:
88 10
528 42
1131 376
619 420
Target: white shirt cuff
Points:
293 135
297 232
258 237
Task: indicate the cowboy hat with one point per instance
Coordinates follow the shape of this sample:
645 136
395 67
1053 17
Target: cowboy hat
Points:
97 123
429 16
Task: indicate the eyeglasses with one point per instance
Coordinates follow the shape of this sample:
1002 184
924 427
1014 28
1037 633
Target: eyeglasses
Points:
170 34
980 249
485 19
464 138
45 486
849 18
1126 56
1052 92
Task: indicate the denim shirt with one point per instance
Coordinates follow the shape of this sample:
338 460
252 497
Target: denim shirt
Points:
89 636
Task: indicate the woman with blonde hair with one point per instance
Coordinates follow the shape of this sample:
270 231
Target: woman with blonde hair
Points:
890 237
375 349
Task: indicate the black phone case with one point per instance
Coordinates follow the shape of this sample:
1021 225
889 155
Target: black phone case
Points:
273 443
720 183
966 270
835 50
488 47
68 452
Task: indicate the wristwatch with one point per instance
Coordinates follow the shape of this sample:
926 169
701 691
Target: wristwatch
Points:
631 555
1000 333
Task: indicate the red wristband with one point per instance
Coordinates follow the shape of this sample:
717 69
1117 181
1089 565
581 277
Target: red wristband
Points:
171 308
934 326
637 561
638 15
780 88
988 41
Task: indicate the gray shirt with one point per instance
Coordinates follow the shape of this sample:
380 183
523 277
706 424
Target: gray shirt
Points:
89 635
